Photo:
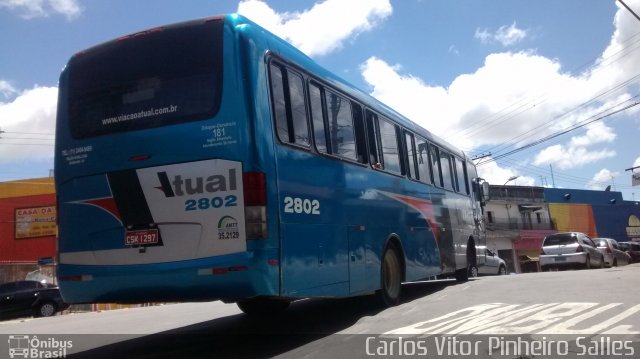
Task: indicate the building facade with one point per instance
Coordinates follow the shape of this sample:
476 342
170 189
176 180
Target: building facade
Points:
519 217
27 229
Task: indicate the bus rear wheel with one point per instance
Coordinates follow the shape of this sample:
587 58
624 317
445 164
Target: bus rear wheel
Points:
263 306
391 277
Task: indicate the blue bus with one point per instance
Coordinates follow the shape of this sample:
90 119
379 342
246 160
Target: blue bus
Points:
212 160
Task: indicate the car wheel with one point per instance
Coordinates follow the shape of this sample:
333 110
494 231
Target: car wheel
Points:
46 309
390 277
587 263
473 272
502 270
601 262
615 262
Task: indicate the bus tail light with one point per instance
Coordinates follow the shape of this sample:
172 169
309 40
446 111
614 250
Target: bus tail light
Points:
255 201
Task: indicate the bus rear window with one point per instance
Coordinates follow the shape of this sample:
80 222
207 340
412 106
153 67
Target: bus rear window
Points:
149 79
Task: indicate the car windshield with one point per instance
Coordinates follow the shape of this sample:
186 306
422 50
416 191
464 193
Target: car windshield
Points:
559 239
601 243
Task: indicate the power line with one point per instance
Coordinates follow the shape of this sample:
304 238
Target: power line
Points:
27 138
529 134
28 133
628 8
27 144
557 134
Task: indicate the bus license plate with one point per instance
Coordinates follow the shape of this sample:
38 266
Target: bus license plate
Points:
147 236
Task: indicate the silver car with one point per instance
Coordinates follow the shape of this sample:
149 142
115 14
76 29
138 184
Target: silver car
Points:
570 249
493 264
613 256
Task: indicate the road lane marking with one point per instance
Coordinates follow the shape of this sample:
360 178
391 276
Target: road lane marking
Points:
549 318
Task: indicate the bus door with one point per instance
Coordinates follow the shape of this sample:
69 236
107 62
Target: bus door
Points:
313 249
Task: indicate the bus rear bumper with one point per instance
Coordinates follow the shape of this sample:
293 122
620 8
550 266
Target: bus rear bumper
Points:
227 277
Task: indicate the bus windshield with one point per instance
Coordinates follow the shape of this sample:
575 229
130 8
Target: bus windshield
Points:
139 81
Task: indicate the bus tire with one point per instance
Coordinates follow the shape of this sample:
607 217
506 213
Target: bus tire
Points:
262 306
462 275
390 277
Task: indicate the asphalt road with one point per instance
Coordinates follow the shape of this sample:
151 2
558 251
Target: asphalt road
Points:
601 305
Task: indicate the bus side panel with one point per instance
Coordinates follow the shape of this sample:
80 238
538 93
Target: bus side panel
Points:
315 255
313 236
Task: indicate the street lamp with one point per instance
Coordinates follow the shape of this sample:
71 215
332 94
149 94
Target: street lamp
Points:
511 179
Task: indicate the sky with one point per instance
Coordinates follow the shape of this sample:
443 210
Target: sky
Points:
547 90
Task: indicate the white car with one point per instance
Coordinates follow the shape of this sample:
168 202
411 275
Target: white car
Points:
570 249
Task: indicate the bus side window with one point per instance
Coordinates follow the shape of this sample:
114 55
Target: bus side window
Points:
361 142
298 110
424 172
446 170
372 137
411 156
389 144
317 116
435 165
289 106
340 125
461 174
279 105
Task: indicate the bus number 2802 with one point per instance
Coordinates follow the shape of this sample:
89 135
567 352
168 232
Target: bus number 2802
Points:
207 203
299 205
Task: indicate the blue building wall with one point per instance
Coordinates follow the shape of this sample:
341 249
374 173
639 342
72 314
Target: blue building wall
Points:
613 217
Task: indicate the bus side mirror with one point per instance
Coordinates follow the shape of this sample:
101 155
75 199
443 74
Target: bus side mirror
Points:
485 192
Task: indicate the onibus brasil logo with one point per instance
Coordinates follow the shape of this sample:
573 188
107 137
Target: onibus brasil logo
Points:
25 346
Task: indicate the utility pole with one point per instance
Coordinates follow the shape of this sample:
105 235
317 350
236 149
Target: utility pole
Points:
553 180
634 179
543 181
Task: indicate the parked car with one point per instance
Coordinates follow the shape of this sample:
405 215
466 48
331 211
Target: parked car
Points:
570 249
29 297
493 265
613 255
632 249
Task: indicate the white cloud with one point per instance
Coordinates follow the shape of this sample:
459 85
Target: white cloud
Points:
517 98
474 109
577 153
602 179
483 35
32 113
30 9
308 30
505 35
497 175
6 89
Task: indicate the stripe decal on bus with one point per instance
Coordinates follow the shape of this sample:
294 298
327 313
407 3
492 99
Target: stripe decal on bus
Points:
107 204
423 206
